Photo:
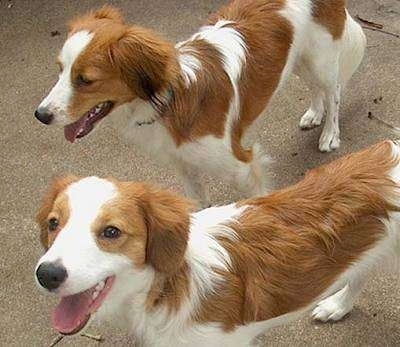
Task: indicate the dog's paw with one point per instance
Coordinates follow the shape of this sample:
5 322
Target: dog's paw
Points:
329 141
310 119
333 308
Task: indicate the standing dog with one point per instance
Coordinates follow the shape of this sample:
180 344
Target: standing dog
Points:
134 255
190 104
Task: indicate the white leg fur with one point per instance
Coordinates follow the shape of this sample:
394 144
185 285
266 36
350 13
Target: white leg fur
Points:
352 50
336 306
193 184
327 65
249 178
329 139
252 178
313 117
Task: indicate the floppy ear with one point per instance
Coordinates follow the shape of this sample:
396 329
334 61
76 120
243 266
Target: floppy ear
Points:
168 221
56 187
146 63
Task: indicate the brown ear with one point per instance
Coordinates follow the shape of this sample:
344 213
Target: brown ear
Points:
109 12
168 221
56 187
145 62
106 12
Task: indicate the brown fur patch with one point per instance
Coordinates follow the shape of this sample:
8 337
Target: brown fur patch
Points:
201 109
331 14
268 37
146 62
170 291
54 205
293 244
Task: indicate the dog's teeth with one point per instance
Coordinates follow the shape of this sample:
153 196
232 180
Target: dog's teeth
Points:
95 294
100 286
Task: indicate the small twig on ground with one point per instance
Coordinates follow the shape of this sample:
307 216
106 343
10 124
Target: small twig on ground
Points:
372 24
386 124
381 31
392 11
98 338
56 340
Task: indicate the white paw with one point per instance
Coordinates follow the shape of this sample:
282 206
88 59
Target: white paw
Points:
328 141
310 119
334 307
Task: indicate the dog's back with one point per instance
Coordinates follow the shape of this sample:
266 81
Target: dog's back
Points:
306 242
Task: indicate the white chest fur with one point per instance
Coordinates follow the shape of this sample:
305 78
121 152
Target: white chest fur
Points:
138 124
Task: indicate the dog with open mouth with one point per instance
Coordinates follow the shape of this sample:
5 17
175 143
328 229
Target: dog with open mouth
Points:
136 255
190 104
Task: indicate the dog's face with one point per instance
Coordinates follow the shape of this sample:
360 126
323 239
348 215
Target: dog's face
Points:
98 232
103 64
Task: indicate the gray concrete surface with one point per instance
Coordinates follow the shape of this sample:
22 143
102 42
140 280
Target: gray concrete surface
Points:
31 154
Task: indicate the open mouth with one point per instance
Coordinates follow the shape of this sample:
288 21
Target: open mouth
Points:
74 311
85 124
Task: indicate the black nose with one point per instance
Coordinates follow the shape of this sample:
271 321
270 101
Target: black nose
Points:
44 115
50 275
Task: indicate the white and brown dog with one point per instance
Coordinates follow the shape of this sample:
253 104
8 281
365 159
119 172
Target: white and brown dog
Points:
190 104
135 255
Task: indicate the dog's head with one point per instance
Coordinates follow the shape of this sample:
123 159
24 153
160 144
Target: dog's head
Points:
97 234
105 63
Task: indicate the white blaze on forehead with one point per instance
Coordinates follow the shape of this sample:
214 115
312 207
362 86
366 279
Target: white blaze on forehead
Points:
59 98
73 47
85 199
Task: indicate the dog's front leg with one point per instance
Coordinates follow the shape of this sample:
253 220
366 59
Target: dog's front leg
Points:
193 184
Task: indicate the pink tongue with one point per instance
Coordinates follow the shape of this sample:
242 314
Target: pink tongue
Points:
71 130
72 312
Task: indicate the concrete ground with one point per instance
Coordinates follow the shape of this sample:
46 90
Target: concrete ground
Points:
31 154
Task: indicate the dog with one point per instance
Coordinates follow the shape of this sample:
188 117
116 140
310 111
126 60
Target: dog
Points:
137 256
191 104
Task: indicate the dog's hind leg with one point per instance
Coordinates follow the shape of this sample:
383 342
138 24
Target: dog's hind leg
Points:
327 64
353 45
319 67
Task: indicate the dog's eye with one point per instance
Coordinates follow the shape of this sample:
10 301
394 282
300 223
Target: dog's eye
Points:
53 224
111 232
82 80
